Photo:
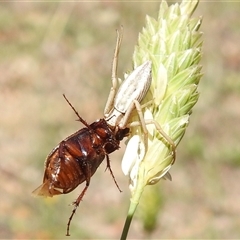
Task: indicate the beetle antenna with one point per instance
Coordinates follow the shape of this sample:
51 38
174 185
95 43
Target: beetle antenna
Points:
80 118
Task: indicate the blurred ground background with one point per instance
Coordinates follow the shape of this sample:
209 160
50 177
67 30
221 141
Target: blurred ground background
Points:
47 49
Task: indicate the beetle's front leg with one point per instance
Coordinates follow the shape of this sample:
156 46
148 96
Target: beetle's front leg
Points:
111 172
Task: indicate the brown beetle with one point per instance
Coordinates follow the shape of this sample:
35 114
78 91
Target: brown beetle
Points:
77 158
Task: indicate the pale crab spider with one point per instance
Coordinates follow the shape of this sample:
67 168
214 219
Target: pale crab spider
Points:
123 100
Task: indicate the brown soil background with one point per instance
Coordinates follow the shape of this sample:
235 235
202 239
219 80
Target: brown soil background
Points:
51 48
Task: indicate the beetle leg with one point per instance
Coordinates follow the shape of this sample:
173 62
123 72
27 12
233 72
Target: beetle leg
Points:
112 93
87 172
85 169
109 167
72 148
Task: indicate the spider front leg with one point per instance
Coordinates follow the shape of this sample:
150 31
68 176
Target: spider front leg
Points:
165 136
112 94
124 123
143 122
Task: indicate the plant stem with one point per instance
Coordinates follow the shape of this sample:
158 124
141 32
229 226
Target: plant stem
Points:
132 208
131 211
